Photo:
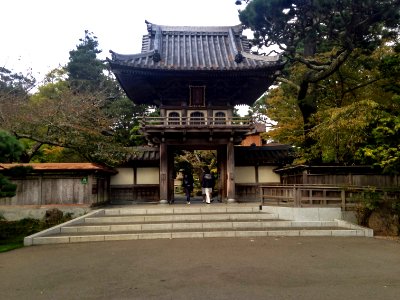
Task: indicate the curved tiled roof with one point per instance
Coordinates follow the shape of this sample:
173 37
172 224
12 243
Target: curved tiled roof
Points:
60 167
195 48
144 153
276 154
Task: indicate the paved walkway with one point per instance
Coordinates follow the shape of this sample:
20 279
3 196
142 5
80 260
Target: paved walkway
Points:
245 268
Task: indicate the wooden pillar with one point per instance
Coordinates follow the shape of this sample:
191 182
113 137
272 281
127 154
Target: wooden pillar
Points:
230 169
170 155
222 178
163 174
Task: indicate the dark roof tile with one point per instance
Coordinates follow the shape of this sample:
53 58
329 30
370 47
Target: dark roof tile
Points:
195 48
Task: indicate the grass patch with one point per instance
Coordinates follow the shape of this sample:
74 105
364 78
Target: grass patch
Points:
12 233
19 243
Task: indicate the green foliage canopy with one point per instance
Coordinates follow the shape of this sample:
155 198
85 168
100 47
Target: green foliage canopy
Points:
84 69
10 150
315 38
358 113
79 114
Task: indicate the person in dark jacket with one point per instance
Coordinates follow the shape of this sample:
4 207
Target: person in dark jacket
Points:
187 184
207 185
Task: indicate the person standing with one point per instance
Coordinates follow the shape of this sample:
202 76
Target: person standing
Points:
187 184
207 185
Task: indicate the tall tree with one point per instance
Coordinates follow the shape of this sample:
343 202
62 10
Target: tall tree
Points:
357 119
84 69
14 89
382 147
14 85
319 35
87 73
10 150
287 125
80 108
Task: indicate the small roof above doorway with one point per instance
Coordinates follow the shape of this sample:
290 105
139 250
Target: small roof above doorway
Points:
175 57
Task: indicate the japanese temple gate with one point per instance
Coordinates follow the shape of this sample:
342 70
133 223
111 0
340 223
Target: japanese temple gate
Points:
195 76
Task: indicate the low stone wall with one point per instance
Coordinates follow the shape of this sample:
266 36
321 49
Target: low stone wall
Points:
305 213
18 212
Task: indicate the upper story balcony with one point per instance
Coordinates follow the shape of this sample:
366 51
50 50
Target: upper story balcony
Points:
195 123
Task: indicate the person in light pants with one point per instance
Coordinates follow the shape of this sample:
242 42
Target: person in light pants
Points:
207 185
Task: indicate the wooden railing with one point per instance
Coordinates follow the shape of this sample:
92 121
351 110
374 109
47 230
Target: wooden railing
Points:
323 196
196 122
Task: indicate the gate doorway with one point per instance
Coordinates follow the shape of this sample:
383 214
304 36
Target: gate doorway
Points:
194 159
192 163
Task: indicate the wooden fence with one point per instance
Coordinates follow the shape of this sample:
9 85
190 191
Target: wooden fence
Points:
59 189
323 196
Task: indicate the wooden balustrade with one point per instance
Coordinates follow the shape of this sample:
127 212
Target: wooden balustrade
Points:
196 121
323 196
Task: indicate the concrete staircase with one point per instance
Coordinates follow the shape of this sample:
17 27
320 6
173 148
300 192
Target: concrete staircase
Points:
184 221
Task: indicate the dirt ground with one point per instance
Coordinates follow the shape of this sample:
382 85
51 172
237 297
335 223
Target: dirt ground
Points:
213 268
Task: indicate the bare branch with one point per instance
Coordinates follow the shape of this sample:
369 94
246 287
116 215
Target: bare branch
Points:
291 83
361 85
315 77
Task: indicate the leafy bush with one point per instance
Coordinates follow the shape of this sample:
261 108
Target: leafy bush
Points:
12 233
7 188
372 203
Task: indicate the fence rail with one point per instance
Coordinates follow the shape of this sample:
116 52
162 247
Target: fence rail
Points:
323 196
197 121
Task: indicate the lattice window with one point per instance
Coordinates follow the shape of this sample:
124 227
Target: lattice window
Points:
197 118
220 118
173 118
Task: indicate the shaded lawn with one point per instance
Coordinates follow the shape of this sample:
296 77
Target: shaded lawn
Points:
12 233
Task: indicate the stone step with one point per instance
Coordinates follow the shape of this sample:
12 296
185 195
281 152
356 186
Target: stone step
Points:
179 209
195 226
186 222
56 239
210 216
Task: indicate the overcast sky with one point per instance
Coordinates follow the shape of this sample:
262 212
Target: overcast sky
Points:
39 34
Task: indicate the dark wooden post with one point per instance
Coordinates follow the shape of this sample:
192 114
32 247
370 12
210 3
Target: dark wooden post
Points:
163 174
170 173
222 178
230 169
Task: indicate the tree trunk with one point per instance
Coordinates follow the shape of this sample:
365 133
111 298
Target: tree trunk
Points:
307 102
29 153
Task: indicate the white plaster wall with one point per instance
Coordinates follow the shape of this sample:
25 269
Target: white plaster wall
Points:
124 176
148 176
245 175
266 174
